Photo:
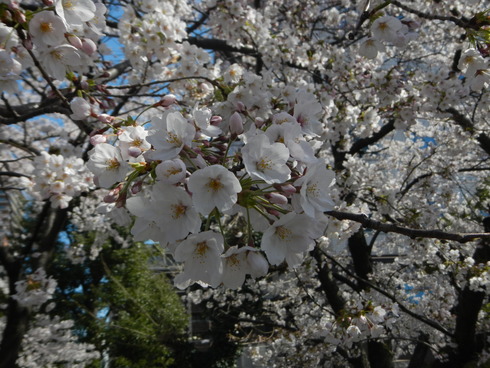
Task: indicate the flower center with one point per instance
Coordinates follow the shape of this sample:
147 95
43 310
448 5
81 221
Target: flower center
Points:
283 233
264 164
215 184
233 261
312 190
46 27
68 4
201 248
113 164
173 171
178 210
173 139
137 142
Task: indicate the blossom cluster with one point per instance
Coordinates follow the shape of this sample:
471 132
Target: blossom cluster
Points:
35 290
387 29
186 179
62 37
60 178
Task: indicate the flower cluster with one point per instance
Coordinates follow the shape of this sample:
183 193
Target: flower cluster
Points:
60 178
188 180
387 29
35 290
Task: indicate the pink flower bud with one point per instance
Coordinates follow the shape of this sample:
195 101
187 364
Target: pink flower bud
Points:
19 16
205 87
110 198
167 101
259 122
216 120
277 198
75 41
97 139
236 124
273 212
88 46
104 118
136 188
288 190
48 2
134 151
240 107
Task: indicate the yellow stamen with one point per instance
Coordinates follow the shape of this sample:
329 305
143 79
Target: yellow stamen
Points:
201 248
113 164
283 233
215 184
46 27
178 210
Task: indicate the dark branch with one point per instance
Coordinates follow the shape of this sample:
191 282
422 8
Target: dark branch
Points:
412 233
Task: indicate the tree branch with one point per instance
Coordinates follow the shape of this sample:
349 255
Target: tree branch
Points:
412 233
463 23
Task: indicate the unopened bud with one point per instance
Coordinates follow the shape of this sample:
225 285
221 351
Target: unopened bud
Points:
167 101
216 120
105 118
240 107
19 16
259 122
48 2
136 188
273 212
277 198
110 198
75 41
97 139
88 46
236 124
134 151
288 190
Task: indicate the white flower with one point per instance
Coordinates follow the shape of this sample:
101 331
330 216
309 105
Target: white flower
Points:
133 141
175 214
238 262
290 237
171 171
471 60
145 226
56 60
75 12
202 256
202 117
291 135
233 74
266 161
235 266
385 28
172 132
81 108
315 186
47 28
306 112
213 186
107 164
370 48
